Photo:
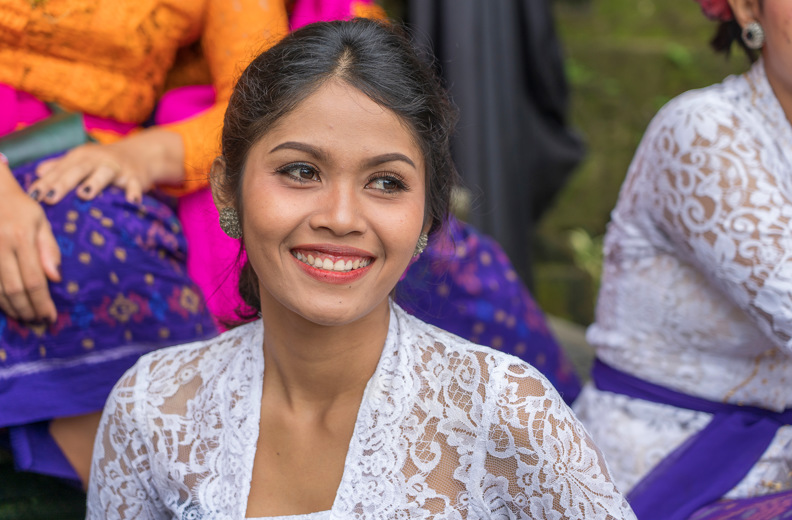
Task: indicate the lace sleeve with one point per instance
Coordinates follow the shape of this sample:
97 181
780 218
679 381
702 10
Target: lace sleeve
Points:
540 462
721 194
120 485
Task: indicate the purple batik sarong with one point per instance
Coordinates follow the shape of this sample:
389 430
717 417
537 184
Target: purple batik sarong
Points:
125 292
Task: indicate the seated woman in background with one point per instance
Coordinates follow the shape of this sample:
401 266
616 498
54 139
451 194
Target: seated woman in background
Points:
115 257
335 168
693 332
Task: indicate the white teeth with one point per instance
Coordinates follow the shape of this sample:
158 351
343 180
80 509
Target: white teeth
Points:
328 265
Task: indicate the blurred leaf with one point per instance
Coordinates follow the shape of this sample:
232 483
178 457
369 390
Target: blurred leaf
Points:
679 55
576 73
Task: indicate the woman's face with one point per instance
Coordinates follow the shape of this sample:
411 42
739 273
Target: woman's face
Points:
333 204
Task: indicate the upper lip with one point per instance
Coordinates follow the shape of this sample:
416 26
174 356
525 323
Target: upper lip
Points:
333 250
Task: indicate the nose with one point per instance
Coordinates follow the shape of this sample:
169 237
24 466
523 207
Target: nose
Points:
339 209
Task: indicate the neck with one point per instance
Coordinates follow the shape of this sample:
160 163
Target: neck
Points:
312 367
780 89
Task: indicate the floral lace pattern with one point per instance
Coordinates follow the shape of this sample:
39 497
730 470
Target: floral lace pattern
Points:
697 281
446 429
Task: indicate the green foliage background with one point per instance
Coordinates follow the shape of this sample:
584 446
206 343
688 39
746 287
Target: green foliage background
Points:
624 60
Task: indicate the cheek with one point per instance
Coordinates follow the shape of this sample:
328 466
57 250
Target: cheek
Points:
404 228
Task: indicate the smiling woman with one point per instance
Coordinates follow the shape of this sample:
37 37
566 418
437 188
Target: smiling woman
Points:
340 180
336 403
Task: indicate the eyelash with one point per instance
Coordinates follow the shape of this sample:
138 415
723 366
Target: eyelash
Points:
391 177
395 178
289 168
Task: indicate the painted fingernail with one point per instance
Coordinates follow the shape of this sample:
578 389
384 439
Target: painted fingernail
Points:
35 194
86 189
50 194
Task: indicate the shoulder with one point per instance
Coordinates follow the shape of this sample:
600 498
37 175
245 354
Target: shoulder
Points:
494 372
698 109
706 115
163 372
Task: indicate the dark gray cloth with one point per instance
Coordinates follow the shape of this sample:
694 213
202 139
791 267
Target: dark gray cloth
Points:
503 64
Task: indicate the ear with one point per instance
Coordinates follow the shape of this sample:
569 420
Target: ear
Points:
746 11
215 175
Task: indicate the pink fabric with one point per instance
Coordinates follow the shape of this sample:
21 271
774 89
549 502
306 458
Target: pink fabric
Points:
19 108
310 11
212 259
183 103
101 123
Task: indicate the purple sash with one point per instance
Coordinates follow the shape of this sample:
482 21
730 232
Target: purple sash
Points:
708 464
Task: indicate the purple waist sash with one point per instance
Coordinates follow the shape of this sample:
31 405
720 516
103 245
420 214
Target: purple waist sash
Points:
708 464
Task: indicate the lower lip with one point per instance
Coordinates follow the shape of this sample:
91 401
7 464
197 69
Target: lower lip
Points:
336 277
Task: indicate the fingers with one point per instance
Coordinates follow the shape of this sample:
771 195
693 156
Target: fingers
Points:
49 253
57 179
28 251
88 168
134 191
97 181
23 285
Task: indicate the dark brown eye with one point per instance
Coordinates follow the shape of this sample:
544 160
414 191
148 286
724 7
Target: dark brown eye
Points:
300 172
387 183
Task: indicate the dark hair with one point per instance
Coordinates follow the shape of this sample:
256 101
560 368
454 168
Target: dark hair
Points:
373 57
729 32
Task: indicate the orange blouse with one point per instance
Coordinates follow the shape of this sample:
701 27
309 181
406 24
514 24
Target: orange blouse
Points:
110 57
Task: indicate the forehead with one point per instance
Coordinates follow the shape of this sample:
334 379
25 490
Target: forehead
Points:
338 114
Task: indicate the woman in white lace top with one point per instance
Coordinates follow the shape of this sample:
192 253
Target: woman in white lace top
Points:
336 403
696 296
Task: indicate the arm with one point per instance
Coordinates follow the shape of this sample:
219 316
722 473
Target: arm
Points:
234 34
177 154
120 484
721 195
540 462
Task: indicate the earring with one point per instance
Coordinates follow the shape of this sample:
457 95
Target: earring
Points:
229 222
423 240
753 35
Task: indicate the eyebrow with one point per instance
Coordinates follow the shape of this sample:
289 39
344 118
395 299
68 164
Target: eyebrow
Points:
388 157
319 154
302 147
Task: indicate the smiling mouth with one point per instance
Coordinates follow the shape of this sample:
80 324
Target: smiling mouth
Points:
327 263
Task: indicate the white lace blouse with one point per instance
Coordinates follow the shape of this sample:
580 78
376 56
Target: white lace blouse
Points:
446 429
697 283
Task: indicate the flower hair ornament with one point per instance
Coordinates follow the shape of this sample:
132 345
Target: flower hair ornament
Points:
718 10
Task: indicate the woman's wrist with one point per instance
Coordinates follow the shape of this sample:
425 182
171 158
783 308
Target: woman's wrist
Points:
166 161
8 184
